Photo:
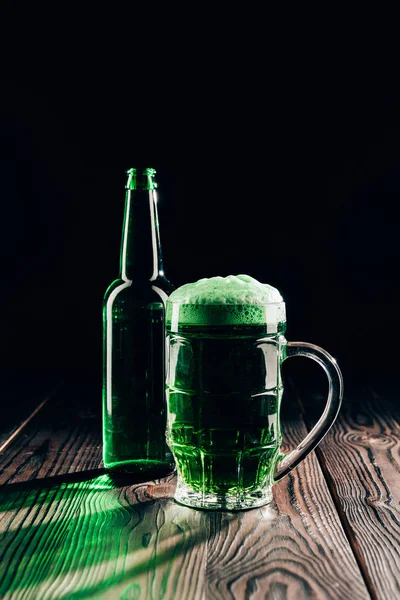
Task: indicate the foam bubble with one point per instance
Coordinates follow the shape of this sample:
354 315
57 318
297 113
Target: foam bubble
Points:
232 300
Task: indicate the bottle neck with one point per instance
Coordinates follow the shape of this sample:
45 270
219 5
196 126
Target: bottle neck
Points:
141 257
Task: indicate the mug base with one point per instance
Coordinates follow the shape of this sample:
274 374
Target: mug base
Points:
207 501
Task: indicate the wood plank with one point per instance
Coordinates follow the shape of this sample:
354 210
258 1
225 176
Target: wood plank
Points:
293 549
71 531
361 463
65 437
92 539
21 397
80 535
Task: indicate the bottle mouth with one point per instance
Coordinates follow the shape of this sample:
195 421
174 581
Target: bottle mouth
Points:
141 178
141 170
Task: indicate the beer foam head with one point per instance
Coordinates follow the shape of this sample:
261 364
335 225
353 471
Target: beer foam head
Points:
232 300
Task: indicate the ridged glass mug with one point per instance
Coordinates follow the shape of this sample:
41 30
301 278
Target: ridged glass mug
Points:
224 391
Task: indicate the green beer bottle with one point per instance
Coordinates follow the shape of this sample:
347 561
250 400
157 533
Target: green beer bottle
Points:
134 412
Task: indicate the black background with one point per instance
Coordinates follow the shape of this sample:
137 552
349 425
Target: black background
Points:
291 176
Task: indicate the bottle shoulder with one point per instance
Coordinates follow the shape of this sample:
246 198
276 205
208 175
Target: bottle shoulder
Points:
138 291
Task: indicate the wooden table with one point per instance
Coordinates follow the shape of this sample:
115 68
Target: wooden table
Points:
69 531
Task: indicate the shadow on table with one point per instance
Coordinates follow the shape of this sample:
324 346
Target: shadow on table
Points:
22 494
87 535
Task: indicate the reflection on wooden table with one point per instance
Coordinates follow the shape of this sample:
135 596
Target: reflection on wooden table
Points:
68 530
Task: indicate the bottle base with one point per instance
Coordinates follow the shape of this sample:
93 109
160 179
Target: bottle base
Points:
207 501
140 467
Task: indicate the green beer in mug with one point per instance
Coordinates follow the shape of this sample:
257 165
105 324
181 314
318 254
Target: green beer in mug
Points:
225 348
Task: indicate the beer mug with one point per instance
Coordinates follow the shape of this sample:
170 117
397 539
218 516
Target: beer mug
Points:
225 348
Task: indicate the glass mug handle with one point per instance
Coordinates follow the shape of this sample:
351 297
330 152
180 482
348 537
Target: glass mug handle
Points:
335 395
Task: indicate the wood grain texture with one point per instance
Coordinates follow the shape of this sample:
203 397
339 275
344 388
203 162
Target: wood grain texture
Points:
95 540
292 549
63 438
72 532
361 463
20 397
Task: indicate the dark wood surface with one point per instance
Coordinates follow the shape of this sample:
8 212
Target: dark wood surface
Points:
69 531
361 463
22 398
